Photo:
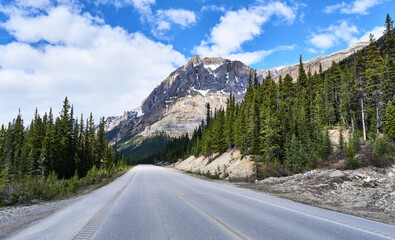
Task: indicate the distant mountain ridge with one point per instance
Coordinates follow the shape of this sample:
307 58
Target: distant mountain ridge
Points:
177 105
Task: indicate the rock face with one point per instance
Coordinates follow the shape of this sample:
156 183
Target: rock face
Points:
229 165
177 105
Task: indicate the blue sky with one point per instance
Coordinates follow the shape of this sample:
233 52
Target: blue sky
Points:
107 55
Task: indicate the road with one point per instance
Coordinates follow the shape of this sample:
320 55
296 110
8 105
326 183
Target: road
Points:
151 202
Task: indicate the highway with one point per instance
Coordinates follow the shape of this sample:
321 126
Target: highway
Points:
151 202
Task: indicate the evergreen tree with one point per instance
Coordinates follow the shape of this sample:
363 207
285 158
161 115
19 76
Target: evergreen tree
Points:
389 67
374 81
390 121
302 77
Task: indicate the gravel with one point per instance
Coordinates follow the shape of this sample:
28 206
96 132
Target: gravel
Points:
367 192
16 217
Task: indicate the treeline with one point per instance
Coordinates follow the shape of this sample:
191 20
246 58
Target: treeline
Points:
286 123
61 147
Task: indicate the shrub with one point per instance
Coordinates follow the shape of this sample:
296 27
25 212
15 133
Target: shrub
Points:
351 162
382 152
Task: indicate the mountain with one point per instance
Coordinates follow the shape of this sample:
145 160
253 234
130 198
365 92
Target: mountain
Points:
314 64
177 105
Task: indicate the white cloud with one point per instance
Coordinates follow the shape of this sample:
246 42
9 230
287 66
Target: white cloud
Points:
178 16
60 25
334 35
213 8
101 69
257 56
164 19
376 31
334 8
33 3
238 27
161 20
312 50
355 7
143 6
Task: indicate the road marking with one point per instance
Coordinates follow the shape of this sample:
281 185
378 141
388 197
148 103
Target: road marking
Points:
200 210
227 224
89 231
369 231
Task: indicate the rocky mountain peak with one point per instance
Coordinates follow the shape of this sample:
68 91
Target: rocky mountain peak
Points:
177 105
195 60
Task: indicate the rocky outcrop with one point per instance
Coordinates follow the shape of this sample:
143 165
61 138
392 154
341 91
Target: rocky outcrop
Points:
177 105
229 165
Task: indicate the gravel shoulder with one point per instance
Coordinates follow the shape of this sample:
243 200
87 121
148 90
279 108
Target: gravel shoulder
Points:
17 217
368 192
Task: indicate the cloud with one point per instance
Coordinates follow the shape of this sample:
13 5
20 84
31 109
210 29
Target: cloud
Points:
238 27
164 19
376 31
334 35
312 50
62 52
161 20
355 7
257 56
213 8
143 6
33 3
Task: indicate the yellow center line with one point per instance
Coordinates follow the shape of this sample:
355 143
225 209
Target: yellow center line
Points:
200 210
234 229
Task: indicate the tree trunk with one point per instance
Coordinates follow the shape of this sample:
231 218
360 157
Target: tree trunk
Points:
363 121
377 114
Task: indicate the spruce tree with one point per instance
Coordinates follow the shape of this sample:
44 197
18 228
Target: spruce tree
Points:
389 56
390 121
302 77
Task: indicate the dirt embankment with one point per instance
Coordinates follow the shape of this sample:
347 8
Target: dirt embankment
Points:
229 166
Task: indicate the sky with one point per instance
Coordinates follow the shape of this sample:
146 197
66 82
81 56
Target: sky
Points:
106 56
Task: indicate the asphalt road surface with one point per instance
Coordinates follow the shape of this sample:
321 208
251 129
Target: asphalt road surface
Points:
151 202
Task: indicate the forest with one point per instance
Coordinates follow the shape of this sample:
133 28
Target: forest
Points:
285 123
52 157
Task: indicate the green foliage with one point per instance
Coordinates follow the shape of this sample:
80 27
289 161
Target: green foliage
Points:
351 162
390 121
51 187
34 158
136 149
382 152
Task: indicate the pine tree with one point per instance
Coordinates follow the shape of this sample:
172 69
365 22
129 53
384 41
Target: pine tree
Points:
389 57
360 80
374 81
48 153
18 135
208 114
390 121
302 77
